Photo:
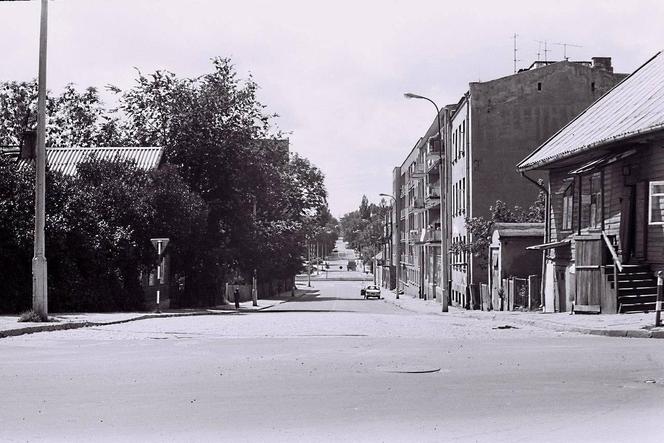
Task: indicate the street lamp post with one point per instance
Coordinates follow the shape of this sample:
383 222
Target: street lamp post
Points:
443 207
39 275
396 228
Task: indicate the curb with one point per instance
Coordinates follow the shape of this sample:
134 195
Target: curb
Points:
86 324
624 333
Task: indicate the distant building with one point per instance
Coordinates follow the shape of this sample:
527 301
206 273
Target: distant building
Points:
606 220
492 127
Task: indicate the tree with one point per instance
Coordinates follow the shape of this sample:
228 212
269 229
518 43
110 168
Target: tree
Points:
481 229
222 162
73 118
363 229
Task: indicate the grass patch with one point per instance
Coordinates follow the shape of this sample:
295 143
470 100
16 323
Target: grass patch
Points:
32 316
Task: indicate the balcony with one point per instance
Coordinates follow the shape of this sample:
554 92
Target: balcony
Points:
432 166
418 203
433 191
418 172
432 157
407 260
432 236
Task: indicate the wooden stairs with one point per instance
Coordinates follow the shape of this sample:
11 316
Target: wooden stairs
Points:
637 288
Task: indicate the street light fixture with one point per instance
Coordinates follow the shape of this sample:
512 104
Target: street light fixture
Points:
443 207
398 247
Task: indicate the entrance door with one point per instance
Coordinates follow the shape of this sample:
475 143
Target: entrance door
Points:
627 224
641 221
588 272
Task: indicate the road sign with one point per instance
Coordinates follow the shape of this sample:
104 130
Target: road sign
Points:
159 244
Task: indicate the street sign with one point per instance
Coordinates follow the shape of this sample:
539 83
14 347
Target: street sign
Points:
159 244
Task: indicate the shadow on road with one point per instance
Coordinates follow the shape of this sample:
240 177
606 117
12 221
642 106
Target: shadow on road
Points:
281 310
330 299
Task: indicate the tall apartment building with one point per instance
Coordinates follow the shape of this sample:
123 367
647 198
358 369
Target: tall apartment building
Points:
492 127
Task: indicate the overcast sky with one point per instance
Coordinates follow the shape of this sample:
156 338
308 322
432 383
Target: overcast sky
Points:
335 71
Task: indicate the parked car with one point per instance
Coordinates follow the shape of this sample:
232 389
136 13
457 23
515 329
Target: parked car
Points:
370 291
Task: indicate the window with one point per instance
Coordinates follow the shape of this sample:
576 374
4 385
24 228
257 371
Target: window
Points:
595 200
456 145
656 203
568 207
539 86
463 138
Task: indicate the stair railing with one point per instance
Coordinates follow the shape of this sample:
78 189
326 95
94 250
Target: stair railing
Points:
612 250
617 265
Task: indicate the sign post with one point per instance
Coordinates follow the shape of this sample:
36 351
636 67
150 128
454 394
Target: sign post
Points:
160 245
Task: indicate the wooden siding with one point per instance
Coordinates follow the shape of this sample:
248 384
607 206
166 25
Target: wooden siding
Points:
635 172
653 169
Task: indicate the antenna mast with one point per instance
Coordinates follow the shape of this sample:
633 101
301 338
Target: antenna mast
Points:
515 50
546 50
565 45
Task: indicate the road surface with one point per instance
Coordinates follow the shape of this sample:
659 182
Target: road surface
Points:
329 366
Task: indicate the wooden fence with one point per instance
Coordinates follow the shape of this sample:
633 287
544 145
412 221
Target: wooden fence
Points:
516 294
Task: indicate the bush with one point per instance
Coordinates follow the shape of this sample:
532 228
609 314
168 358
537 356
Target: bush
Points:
31 317
352 266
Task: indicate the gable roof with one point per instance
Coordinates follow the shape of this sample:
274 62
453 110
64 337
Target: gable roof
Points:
66 160
633 107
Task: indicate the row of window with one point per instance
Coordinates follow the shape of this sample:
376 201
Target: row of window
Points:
459 197
459 257
459 141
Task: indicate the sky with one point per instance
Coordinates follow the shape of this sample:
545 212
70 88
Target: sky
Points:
334 71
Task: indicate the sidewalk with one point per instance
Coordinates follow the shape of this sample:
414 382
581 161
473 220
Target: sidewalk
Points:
639 325
10 326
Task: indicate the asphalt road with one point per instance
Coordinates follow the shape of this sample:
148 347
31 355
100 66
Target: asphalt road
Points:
328 366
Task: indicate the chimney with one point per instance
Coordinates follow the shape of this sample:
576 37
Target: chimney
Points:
603 63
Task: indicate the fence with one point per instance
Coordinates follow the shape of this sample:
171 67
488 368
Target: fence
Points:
515 294
265 290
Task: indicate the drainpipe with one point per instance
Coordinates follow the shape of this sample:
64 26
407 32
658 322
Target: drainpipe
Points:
547 230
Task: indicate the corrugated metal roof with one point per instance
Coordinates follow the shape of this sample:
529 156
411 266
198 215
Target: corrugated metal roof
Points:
66 160
635 106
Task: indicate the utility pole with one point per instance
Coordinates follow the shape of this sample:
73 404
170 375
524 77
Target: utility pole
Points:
254 279
308 263
39 276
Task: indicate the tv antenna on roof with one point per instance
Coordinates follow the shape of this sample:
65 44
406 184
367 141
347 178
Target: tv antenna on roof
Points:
539 49
514 37
565 45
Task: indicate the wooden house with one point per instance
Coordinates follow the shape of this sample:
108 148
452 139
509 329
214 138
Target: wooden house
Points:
605 224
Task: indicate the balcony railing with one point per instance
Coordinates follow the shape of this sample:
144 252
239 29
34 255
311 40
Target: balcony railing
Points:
432 235
418 172
433 191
